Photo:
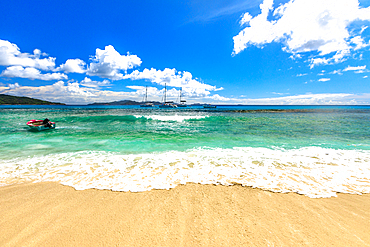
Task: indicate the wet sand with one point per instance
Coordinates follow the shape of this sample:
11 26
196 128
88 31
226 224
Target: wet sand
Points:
50 214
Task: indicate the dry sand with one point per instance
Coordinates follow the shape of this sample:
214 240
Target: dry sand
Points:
49 214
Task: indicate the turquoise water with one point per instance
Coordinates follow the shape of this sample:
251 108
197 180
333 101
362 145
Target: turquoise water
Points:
256 140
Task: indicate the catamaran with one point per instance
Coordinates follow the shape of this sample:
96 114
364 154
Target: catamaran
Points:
145 102
167 104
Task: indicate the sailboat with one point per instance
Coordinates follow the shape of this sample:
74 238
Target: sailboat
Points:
167 104
182 102
146 103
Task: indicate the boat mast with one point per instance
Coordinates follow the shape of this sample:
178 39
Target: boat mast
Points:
146 93
165 89
180 94
181 101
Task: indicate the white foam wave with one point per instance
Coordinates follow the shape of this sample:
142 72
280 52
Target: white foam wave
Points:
312 171
169 118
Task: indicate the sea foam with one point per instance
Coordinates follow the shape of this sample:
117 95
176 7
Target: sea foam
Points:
312 171
170 118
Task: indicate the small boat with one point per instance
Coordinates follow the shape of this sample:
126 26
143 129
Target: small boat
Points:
209 106
145 102
39 125
167 104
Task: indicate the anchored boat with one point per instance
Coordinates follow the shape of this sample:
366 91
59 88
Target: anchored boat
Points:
146 103
181 101
167 104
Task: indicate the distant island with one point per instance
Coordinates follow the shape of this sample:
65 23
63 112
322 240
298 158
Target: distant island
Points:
16 100
124 102
132 102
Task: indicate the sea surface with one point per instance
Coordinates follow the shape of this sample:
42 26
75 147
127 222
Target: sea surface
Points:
316 151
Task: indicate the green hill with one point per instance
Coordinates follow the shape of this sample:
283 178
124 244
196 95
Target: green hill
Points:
15 100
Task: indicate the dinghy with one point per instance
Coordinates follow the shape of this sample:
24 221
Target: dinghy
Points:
39 125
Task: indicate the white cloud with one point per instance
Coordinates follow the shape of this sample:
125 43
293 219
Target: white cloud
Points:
108 63
73 93
350 68
87 82
358 69
76 93
153 92
13 86
70 89
324 79
69 93
365 77
172 78
306 26
359 42
10 55
313 99
73 66
279 93
218 98
339 72
31 73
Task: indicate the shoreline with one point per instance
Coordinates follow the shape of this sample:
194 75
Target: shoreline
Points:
51 214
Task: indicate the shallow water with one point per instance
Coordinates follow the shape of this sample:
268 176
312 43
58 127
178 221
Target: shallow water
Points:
316 151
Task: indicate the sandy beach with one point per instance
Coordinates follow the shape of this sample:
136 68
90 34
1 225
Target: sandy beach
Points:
50 214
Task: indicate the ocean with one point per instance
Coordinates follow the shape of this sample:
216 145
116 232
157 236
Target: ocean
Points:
317 151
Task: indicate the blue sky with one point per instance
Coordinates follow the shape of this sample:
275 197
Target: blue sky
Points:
225 52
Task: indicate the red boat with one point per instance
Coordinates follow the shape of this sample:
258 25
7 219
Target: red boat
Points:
40 125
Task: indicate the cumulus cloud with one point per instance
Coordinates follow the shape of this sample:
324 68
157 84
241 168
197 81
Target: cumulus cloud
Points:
191 87
87 82
10 55
306 26
31 73
218 98
68 92
153 92
13 86
73 66
109 63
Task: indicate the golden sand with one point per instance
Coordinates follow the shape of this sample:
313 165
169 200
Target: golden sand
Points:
50 214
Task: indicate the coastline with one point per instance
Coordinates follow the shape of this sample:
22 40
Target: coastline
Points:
50 214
